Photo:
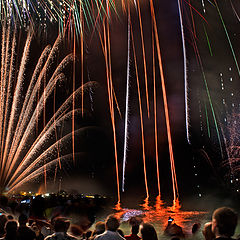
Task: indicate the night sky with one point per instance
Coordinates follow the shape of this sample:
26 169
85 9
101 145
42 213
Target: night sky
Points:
213 77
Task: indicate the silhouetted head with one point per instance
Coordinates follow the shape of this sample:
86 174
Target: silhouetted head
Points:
99 227
195 227
207 231
224 222
120 232
22 219
61 224
135 229
148 232
112 223
11 227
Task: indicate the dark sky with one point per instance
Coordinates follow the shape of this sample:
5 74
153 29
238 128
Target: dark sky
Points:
97 165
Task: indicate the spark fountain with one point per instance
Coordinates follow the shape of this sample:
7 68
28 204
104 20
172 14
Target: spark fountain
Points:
28 150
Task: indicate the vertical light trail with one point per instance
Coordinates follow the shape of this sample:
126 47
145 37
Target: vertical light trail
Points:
44 124
174 178
228 38
127 102
144 56
155 113
73 102
3 56
110 98
141 119
5 86
206 113
55 126
208 95
9 88
194 28
185 74
203 5
81 38
209 45
17 95
235 12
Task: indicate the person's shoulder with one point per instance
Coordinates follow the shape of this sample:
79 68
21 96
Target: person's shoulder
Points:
100 236
221 238
70 237
49 237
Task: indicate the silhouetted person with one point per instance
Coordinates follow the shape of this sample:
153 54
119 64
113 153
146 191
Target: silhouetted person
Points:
173 230
148 232
195 228
120 232
112 224
3 220
134 232
207 231
11 230
99 229
24 232
224 222
60 226
36 229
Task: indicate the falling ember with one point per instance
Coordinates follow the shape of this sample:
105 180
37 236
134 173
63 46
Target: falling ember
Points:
155 116
144 56
141 118
174 178
106 51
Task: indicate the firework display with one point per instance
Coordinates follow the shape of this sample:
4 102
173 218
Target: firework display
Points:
139 87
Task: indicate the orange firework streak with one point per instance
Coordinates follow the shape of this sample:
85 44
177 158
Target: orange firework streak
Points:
141 118
73 104
82 29
54 110
2 77
174 178
113 91
144 56
44 124
155 115
4 87
110 97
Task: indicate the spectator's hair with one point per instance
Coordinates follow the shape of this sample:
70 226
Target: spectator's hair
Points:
61 224
226 221
3 220
99 228
22 219
195 227
207 231
135 229
11 227
120 232
9 217
88 234
112 223
148 232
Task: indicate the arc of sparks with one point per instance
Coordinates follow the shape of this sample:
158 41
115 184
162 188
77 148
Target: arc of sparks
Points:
127 102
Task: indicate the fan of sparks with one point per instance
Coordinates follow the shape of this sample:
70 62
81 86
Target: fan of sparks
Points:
29 147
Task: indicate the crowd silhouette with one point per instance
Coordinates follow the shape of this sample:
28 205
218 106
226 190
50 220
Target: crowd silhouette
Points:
22 223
